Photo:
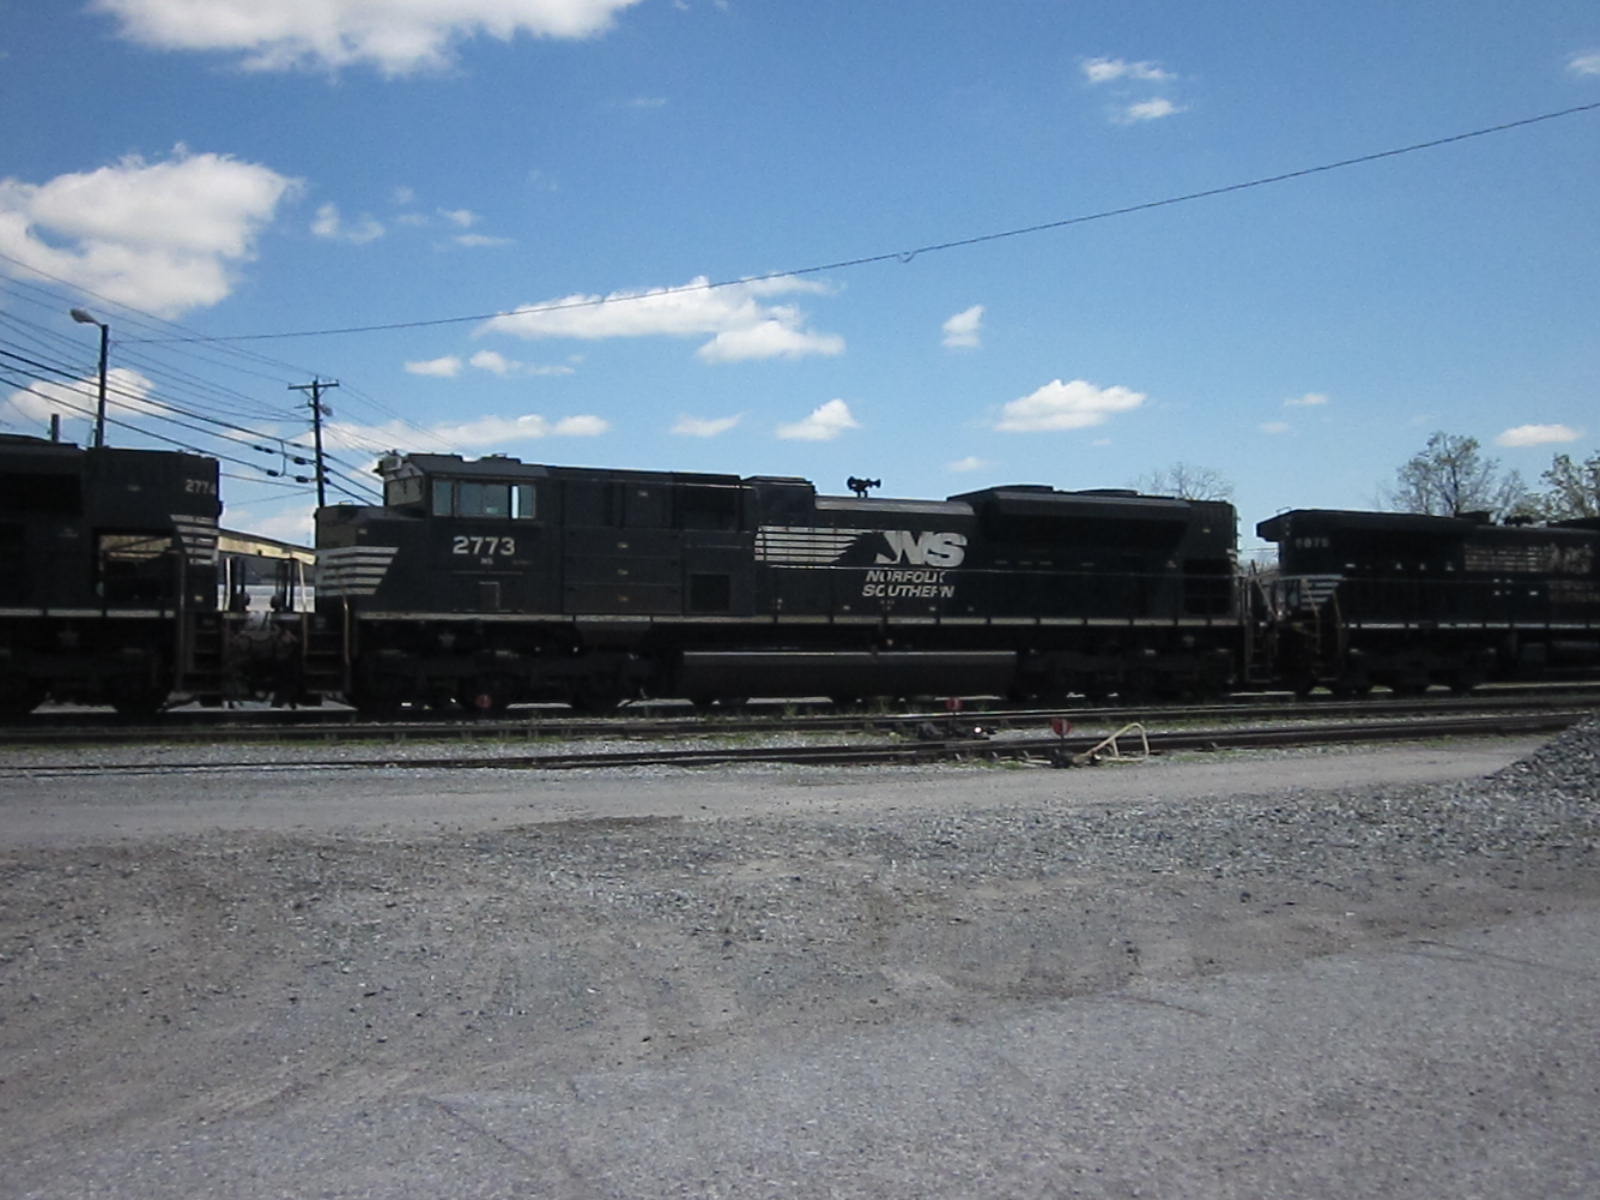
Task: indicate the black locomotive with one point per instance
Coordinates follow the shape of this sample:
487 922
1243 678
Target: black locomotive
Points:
113 590
491 581
1407 601
480 583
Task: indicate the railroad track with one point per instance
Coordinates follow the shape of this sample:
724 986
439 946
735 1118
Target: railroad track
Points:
97 729
1052 750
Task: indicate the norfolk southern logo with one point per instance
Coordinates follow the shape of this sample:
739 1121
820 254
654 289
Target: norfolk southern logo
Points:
901 563
923 549
929 556
804 546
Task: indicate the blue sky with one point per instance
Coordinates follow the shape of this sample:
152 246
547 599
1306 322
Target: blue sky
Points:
415 172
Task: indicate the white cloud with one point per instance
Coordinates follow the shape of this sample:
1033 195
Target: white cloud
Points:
476 240
398 37
447 367
1075 405
494 362
498 364
329 224
493 431
705 427
1585 64
825 423
478 433
1538 435
166 237
1274 427
463 218
581 426
491 361
1109 70
126 393
298 526
1148 110
970 463
772 338
964 331
741 323
1309 400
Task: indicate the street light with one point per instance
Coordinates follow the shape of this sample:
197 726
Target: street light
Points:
85 318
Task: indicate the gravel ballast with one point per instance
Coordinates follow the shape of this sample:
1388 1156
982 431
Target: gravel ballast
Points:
157 989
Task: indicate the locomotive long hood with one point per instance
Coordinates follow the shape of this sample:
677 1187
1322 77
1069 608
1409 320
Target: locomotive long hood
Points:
1314 520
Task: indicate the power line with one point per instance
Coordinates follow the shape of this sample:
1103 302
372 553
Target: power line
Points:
906 256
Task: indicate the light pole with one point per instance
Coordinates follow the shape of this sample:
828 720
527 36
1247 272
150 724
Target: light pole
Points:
85 318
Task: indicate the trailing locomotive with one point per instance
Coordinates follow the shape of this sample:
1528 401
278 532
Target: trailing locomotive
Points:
113 590
1408 601
492 581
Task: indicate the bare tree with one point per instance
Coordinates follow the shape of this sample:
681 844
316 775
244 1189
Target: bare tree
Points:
1450 477
1186 482
1574 488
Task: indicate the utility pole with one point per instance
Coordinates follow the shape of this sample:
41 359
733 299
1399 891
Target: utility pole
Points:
315 387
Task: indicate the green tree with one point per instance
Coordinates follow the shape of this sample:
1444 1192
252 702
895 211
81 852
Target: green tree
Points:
1450 477
1574 488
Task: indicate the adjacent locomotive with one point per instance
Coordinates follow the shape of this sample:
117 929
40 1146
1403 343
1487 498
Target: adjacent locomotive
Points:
491 581
105 555
117 586
1407 601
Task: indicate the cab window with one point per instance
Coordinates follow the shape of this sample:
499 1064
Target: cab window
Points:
473 498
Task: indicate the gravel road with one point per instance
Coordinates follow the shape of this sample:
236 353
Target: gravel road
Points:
1225 975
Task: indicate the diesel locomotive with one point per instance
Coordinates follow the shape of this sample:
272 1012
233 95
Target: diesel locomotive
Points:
1407 601
490 581
118 587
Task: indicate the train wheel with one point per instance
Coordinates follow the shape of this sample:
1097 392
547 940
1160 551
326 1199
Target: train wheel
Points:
19 697
489 697
595 699
705 704
138 700
1351 687
375 703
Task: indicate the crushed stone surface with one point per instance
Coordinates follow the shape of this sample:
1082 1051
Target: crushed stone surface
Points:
155 985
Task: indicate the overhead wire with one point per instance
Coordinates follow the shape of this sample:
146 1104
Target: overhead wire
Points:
193 344
176 387
906 256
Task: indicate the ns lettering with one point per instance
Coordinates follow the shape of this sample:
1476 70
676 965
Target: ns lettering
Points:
923 549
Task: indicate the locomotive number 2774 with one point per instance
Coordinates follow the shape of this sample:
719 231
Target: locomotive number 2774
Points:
482 546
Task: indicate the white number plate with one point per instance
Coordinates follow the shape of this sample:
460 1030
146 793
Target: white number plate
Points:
483 546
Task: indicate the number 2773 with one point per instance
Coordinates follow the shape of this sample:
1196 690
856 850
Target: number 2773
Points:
482 546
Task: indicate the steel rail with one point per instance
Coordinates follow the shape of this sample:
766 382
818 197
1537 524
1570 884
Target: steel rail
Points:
956 748
344 726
